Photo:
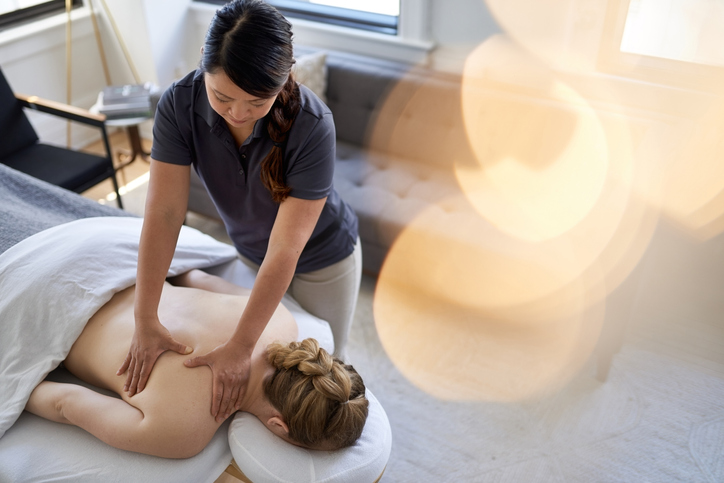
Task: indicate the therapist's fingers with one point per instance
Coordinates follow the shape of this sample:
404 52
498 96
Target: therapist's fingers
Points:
143 376
180 348
141 368
133 387
125 365
224 406
217 385
196 362
242 392
233 401
129 374
218 391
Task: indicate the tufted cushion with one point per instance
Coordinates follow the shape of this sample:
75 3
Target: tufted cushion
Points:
263 457
356 87
387 193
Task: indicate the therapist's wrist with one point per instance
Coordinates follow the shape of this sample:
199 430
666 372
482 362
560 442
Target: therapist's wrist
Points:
146 320
243 347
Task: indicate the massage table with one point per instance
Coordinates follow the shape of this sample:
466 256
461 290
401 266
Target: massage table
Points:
34 449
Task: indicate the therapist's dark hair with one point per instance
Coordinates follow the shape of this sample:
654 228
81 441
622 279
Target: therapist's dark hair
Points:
251 42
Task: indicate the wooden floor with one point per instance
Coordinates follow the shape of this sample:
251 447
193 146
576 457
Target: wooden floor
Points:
132 180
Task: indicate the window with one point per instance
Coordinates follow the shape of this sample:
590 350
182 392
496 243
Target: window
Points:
391 29
673 42
380 16
685 30
13 12
385 7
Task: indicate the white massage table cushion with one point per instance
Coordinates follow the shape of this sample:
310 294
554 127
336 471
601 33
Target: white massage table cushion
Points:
264 457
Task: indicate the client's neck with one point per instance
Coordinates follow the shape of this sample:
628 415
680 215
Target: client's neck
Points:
255 401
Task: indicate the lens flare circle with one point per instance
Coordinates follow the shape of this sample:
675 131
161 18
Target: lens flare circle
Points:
542 154
441 315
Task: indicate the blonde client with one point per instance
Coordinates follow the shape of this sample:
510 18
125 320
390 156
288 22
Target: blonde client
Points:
296 389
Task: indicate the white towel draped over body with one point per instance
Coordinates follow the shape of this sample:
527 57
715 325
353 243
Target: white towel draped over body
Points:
54 281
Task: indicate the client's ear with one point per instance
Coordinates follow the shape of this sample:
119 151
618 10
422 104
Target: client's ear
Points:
277 425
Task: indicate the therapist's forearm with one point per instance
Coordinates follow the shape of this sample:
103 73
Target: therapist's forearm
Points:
158 243
275 275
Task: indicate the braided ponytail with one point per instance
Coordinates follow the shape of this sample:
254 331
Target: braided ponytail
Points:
321 399
281 117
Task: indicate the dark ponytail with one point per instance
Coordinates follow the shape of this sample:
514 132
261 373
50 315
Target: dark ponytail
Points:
251 42
281 118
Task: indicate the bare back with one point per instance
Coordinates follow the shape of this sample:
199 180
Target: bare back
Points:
176 399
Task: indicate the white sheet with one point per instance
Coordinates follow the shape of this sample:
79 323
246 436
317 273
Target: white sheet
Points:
38 450
42 313
35 449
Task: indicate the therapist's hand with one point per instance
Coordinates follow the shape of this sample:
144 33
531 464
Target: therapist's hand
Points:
230 364
150 340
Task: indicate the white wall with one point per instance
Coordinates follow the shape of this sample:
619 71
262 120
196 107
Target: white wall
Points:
33 56
168 30
35 64
455 28
163 38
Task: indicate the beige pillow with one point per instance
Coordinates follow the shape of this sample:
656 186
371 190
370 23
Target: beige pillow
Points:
311 70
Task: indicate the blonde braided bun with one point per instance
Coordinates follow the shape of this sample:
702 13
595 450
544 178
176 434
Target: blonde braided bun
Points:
321 399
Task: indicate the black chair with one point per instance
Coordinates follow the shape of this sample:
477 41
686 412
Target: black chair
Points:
19 147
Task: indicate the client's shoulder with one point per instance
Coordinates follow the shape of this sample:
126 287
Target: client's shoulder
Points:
282 327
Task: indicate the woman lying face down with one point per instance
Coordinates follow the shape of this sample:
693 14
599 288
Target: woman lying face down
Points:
296 389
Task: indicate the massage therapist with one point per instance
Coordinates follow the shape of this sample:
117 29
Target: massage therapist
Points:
264 147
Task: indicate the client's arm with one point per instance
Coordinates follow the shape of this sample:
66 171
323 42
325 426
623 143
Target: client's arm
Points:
210 283
111 420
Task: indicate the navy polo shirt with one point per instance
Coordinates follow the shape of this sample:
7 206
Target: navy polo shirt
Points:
187 131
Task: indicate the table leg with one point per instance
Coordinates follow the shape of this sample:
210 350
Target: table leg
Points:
134 138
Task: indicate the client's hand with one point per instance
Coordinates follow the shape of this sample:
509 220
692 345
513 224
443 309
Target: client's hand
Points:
150 340
230 365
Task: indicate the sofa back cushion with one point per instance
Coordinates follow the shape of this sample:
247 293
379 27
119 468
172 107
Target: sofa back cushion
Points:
356 87
394 108
421 120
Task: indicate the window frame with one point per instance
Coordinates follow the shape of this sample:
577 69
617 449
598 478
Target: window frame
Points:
412 44
675 73
28 14
341 17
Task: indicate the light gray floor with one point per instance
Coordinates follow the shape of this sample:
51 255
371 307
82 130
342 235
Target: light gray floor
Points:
658 418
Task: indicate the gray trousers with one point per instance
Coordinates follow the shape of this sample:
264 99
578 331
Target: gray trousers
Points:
329 293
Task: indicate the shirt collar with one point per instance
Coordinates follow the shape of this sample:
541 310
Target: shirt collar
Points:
203 108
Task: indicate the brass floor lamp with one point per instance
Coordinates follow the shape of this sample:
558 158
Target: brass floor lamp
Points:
101 50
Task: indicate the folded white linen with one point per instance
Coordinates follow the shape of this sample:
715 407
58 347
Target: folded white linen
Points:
54 281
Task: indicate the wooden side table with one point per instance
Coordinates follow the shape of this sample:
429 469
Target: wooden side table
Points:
126 157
